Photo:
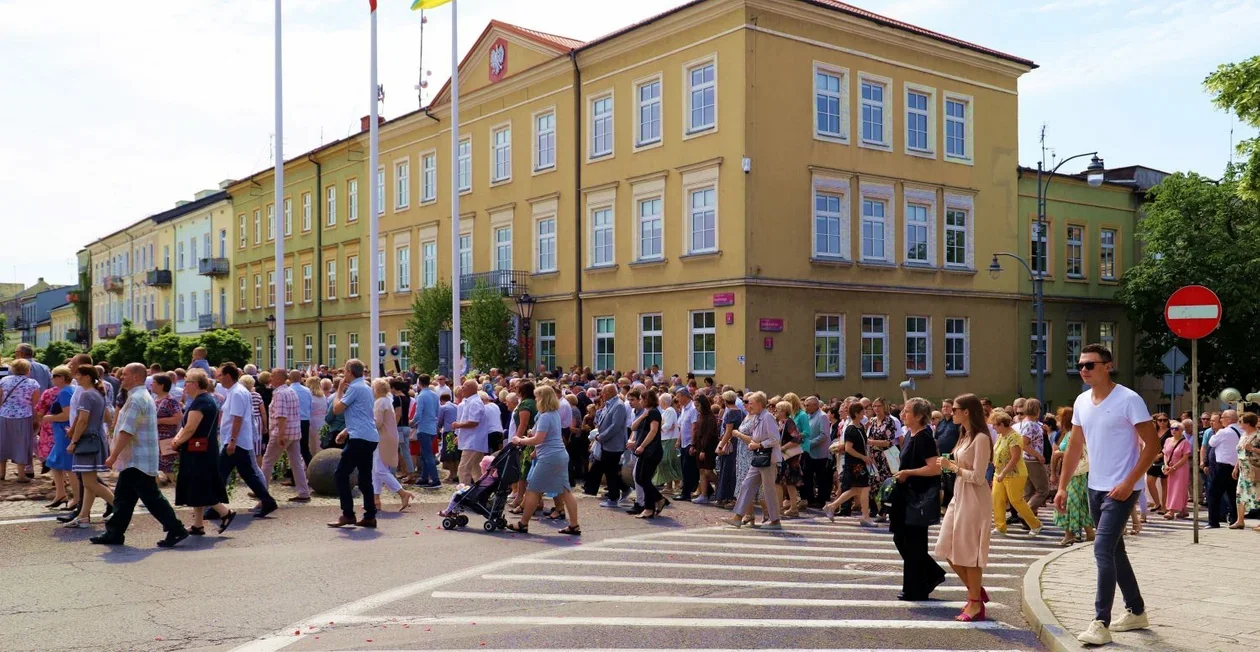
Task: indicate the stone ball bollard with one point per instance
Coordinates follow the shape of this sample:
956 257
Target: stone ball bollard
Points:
319 473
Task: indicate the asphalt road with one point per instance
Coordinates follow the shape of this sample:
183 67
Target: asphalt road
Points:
682 582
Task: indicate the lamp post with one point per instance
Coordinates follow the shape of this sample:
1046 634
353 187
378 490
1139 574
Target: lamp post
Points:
525 309
271 337
1040 253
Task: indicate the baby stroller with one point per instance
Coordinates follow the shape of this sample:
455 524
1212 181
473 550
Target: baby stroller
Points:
488 495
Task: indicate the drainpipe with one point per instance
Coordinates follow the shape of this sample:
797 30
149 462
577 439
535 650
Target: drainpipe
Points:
577 200
319 260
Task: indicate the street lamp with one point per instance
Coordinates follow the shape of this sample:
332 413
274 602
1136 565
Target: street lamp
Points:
995 270
525 309
271 337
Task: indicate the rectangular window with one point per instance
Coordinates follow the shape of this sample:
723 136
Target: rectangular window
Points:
917 116
547 344
502 154
956 238
258 351
352 277
179 255
428 180
332 350
602 237
702 97
1075 333
192 259
240 231
546 245
257 226
605 345
271 288
1075 252
1107 338
829 105
917 233
288 217
703 220
240 293
403 272
704 342
545 141
222 243
828 346
956 128
503 248
1037 249
651 341
465 165
402 184
330 206
288 349
380 190
404 348
1044 344
873 211
873 113
257 290
308 348
874 346
649 97
354 345
602 127
465 254
828 224
428 251
380 271
179 306
271 222
306 283
957 346
918 346
650 229
288 286
352 200
331 275
1107 254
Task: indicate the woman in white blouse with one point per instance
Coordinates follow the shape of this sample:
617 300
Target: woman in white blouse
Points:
760 432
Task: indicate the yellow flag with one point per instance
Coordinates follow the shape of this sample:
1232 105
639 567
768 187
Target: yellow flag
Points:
427 4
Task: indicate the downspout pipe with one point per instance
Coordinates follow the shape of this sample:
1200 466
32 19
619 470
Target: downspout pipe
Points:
577 204
319 260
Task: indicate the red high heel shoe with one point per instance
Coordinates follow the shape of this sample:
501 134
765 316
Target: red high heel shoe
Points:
964 618
984 595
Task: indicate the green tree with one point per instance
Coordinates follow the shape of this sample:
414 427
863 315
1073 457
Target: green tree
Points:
222 345
103 351
1235 87
430 313
58 352
4 332
167 349
130 345
487 327
1199 231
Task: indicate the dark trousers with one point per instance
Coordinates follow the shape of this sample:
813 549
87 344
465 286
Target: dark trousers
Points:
579 448
1222 497
133 485
428 463
306 444
690 472
610 470
817 487
1110 516
357 455
947 486
240 460
644 469
726 480
920 573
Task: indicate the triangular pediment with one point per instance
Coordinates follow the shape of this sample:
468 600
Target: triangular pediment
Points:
504 50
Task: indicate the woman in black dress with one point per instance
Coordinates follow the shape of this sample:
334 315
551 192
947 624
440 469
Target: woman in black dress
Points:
918 479
198 484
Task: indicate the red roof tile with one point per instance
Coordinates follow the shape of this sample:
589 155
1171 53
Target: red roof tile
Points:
560 44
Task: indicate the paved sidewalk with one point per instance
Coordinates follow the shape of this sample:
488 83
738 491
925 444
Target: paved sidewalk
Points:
1199 597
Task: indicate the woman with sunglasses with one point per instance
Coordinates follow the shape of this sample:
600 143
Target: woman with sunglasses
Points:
1177 450
1155 475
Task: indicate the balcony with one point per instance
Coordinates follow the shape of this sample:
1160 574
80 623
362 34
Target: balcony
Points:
73 296
209 321
213 267
510 283
108 331
113 284
155 324
76 335
158 278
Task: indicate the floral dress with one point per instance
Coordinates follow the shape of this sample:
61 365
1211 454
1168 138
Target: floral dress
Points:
885 430
1077 517
790 474
167 407
46 401
1247 498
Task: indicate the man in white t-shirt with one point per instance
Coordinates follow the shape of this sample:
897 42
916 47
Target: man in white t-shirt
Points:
1112 422
237 438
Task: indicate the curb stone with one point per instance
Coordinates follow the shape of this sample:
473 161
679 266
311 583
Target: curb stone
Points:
1038 614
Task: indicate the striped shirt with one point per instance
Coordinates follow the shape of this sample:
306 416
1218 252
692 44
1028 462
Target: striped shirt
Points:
284 404
138 418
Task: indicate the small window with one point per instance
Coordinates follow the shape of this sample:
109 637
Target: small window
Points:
546 245
605 343
702 94
240 231
352 276
828 224
288 217
271 222
830 105
465 254
331 276
602 126
547 344
354 345
703 220
1038 248
1075 332
704 342
240 293
873 211
918 346
957 117
917 118
428 180
332 350
874 346
429 252
873 131
602 251
502 144
650 229
288 287
957 346
257 226
271 289
1107 254
306 283
828 346
651 341
402 184
545 141
330 206
380 190
1107 338
306 211
503 248
465 165
1075 267
649 97
257 290
352 199
403 272
917 245
956 238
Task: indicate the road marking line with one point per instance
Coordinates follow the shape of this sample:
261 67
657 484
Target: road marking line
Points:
839 559
620 649
818 532
833 549
704 623
745 569
704 581
701 600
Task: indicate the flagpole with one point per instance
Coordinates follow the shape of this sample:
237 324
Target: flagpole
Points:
374 302
278 341
457 353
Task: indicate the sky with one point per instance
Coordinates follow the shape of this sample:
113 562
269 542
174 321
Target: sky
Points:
113 111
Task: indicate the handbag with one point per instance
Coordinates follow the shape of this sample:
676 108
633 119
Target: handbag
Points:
923 508
197 445
762 456
89 444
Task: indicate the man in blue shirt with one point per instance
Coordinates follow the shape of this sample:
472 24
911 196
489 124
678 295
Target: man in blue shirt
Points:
304 413
424 424
354 401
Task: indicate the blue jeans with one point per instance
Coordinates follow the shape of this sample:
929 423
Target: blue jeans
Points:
404 450
1110 518
428 463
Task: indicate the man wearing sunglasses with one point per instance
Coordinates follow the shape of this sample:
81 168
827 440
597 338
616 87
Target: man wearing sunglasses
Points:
1113 423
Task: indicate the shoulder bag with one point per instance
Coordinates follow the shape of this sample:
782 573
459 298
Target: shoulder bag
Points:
89 444
923 507
761 457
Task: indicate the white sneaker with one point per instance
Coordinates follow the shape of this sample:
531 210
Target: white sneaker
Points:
1130 621
1097 634
1034 532
700 501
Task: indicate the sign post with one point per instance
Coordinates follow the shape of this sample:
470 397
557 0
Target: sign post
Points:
1193 312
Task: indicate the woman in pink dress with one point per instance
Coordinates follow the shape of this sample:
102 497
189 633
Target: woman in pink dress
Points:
1177 470
965 530
45 429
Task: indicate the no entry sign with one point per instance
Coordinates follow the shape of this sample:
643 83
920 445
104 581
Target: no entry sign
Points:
1193 312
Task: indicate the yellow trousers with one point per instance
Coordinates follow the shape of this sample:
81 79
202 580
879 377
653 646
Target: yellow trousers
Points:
1011 491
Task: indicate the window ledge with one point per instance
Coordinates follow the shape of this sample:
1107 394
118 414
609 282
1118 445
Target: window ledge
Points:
963 271
956 374
546 170
500 182
874 375
961 160
830 376
398 209
883 147
920 267
649 262
595 158
643 147
547 274
919 374
876 264
1072 278
429 202
703 131
465 192
398 292
838 140
700 255
1109 281
601 268
921 153
828 261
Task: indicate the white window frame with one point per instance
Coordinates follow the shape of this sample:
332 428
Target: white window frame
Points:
966 205
402 274
887 108
271 289
330 205
352 200
693 212
968 126
241 241
380 190
352 276
869 334
354 346
955 338
608 230
258 291
380 271
288 217
271 222
546 342
545 245
257 226
885 222
608 337
1032 352
839 188
1069 243
544 150
601 125
306 212
179 256
928 114
330 276
1107 253
428 177
690 129
288 286
1072 344
656 110
840 96
921 336
828 331
1107 340
642 221
501 153
429 273
465 164
288 348
466 252
912 227
240 293
501 245
404 347
308 348
1039 248
655 330
307 283
703 330
402 183
332 350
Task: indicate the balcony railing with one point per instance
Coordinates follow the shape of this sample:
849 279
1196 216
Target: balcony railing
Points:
208 321
213 267
155 324
510 283
158 278
113 283
73 296
108 331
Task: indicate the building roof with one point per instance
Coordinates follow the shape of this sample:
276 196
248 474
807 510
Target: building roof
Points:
561 44
190 207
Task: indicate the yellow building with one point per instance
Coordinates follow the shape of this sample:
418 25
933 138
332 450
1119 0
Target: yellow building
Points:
783 194
62 322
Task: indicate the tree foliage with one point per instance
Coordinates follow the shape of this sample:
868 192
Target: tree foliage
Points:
222 345
4 332
168 349
1199 231
1235 87
103 351
430 313
130 345
487 327
58 352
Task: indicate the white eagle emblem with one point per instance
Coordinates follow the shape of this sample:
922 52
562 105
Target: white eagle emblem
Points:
498 57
